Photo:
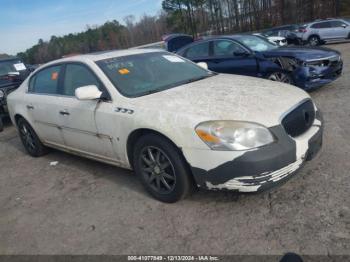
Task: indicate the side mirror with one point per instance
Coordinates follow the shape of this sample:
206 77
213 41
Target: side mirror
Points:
203 65
344 25
90 92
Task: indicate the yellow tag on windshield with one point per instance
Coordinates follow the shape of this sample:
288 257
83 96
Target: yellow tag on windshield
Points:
123 71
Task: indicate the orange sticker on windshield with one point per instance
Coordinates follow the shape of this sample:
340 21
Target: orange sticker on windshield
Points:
123 71
54 76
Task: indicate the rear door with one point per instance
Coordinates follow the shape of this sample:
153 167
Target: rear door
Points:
198 52
229 57
323 29
44 104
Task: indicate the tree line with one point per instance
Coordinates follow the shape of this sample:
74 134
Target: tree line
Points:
195 17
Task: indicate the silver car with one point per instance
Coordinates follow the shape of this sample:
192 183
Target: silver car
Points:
319 32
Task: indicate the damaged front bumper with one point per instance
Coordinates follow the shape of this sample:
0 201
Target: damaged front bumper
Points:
312 77
259 169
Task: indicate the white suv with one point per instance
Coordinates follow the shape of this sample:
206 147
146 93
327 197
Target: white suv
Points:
318 32
174 123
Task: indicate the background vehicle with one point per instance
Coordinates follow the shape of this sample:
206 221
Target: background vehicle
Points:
321 31
287 31
171 42
12 74
106 107
278 40
254 56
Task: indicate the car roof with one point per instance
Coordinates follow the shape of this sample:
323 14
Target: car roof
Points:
102 55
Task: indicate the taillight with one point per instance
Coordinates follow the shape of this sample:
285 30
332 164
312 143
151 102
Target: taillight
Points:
302 30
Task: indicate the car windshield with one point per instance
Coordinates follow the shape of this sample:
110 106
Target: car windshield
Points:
142 74
11 66
256 43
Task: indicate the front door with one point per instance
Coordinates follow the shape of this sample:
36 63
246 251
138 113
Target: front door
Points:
229 57
339 29
78 118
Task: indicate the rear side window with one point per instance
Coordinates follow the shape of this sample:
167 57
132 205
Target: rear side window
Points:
46 81
199 50
77 76
226 48
322 25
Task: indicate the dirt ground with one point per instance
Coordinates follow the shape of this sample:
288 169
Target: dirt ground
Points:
84 207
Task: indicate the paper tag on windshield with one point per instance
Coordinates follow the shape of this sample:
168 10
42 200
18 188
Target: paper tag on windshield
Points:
20 66
173 59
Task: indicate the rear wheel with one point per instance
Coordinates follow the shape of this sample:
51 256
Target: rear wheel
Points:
161 169
314 40
282 77
30 140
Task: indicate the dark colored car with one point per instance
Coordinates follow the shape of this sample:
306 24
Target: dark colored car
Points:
250 55
287 31
12 74
171 42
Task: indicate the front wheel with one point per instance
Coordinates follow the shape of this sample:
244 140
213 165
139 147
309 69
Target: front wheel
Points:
30 140
282 77
161 169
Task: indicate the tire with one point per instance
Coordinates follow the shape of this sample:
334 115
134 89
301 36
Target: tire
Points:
161 169
282 77
314 40
30 140
1 125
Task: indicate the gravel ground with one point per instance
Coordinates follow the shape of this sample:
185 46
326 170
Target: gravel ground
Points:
84 207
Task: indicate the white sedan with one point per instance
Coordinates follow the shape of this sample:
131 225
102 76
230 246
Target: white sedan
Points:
176 124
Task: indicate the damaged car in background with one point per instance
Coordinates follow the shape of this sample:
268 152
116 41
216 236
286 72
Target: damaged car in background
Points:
214 131
251 55
12 74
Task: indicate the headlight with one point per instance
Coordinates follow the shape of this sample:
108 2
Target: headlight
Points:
2 94
234 135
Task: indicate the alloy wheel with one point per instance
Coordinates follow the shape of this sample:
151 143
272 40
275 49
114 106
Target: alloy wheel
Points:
280 77
157 169
313 41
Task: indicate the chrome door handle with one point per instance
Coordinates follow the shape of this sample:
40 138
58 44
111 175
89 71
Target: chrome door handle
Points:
64 113
30 107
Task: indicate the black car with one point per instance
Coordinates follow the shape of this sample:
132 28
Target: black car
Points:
251 55
12 74
287 31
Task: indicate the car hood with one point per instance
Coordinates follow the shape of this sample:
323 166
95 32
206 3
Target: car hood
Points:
224 97
304 54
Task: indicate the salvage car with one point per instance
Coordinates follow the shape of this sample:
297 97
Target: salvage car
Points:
12 74
174 123
307 68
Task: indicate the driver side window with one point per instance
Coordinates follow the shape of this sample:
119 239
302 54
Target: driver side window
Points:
226 48
77 76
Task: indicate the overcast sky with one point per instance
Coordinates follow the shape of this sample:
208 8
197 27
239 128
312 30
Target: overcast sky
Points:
23 22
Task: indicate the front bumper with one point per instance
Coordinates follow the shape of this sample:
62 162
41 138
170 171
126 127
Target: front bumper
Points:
309 77
260 169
